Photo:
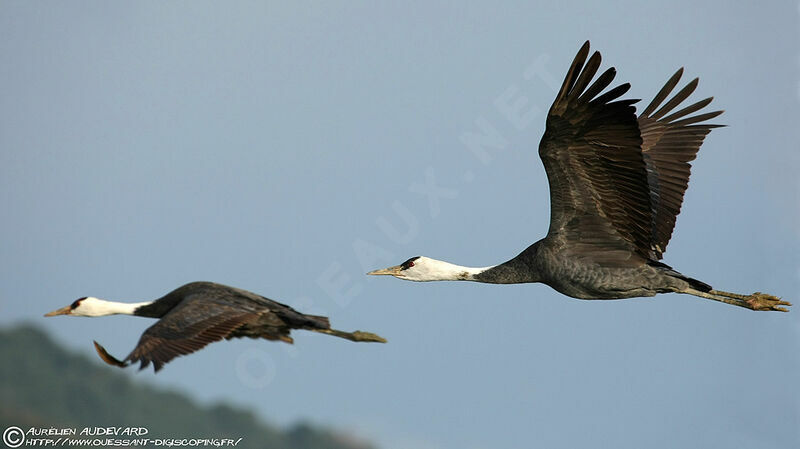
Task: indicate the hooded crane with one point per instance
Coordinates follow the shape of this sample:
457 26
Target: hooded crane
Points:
616 186
200 313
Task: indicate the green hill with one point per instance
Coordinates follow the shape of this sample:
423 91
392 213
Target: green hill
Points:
42 385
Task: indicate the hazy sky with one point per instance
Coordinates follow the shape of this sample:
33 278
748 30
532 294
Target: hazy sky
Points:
289 147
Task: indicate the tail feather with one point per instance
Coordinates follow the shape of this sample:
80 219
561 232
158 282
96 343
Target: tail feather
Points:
318 322
699 285
298 320
694 283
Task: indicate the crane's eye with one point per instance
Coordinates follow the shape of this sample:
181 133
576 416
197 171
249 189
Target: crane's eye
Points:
409 263
77 301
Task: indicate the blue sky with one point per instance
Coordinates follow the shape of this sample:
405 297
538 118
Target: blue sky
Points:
288 148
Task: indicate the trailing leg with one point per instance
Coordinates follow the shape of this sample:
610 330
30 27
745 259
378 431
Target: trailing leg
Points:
755 301
353 336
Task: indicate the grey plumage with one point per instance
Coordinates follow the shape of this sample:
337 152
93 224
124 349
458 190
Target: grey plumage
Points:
200 313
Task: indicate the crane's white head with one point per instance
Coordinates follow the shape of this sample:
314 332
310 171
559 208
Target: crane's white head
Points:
89 306
423 269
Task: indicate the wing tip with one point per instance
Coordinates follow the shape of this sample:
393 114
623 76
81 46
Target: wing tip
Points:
108 358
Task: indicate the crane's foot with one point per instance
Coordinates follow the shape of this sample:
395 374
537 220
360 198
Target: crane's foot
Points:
755 301
353 336
367 336
763 301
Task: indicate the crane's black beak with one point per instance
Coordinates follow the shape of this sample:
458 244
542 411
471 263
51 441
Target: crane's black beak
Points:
62 311
391 271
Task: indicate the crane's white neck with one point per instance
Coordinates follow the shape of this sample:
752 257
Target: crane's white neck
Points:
427 269
92 307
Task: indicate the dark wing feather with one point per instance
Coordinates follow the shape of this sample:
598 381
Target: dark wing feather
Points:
591 151
670 142
188 327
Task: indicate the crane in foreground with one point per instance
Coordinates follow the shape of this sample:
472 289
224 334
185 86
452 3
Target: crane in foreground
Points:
617 182
199 313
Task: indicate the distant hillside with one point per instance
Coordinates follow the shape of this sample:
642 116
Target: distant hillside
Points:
44 385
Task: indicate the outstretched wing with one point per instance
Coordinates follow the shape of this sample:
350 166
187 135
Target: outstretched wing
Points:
591 150
188 327
670 141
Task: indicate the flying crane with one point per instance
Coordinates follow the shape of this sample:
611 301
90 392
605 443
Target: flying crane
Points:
616 186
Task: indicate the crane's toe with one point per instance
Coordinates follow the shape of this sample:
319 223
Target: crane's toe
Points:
763 301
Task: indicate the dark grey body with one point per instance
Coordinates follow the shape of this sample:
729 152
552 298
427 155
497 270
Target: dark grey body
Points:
200 300
585 279
199 313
